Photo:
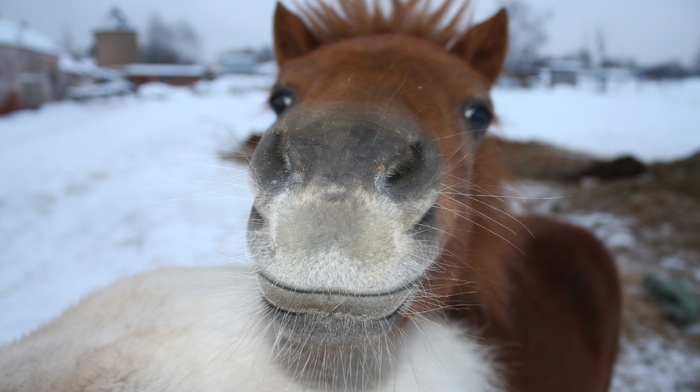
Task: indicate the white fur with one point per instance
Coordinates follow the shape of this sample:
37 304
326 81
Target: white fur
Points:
204 330
366 235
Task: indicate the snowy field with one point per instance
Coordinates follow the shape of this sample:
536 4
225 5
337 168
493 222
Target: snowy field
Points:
653 121
93 192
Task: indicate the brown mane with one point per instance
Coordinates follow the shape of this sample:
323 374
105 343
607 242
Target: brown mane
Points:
348 19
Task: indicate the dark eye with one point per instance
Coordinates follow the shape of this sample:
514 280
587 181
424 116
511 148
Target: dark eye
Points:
478 118
281 100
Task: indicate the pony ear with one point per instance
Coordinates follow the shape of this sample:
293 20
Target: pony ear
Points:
292 37
484 45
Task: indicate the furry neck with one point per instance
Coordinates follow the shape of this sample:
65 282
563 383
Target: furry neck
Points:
338 367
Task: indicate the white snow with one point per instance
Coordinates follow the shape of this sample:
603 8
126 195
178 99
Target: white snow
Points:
92 192
653 121
674 368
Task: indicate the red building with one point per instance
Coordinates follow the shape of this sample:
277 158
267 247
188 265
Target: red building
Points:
173 74
30 67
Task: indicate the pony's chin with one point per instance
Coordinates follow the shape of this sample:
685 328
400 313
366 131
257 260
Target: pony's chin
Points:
330 329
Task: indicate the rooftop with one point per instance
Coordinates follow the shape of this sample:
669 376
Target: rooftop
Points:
21 35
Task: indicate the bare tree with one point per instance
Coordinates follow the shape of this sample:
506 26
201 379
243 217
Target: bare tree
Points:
165 44
696 61
159 38
585 57
68 43
601 47
527 31
119 19
186 43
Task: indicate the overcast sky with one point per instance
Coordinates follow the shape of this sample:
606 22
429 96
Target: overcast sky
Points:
649 31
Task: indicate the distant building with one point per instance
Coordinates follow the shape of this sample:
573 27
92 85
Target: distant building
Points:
173 74
564 71
30 67
116 41
116 47
239 62
520 74
83 80
77 72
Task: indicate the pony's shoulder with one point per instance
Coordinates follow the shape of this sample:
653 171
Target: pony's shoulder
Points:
567 296
183 329
146 332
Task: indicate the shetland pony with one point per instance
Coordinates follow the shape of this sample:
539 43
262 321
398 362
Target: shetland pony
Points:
385 257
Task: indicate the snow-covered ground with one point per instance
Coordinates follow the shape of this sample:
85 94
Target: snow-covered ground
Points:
653 121
92 192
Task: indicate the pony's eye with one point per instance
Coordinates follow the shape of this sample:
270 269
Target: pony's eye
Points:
281 101
478 118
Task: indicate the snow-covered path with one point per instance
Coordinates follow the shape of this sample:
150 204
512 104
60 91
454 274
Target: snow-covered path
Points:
92 193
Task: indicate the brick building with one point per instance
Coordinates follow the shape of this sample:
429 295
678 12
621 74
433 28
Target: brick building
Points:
116 47
30 67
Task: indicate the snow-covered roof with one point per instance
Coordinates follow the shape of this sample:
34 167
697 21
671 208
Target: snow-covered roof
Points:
68 64
19 34
164 69
87 66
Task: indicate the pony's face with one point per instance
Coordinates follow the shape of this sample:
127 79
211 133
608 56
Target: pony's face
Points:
348 215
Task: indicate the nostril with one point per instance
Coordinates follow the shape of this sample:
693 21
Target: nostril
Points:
255 220
405 166
270 164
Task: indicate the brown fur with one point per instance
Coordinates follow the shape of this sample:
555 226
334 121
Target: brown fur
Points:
544 292
565 311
